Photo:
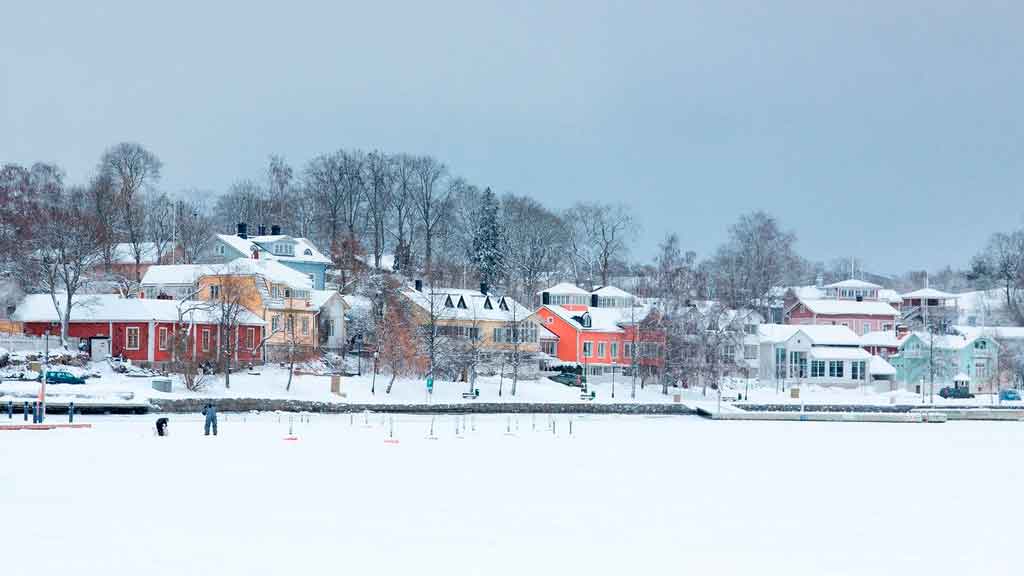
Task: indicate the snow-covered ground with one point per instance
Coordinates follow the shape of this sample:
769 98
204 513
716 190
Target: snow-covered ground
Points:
624 495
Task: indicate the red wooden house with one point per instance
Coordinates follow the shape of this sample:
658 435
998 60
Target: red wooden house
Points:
141 330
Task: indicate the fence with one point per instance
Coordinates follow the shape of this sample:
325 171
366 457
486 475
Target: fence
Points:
22 343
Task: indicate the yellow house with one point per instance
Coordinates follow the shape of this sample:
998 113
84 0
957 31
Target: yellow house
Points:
491 322
281 296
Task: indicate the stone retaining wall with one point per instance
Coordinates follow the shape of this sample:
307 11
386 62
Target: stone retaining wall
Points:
269 405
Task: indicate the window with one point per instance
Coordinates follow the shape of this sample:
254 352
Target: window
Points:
312 279
287 292
220 249
275 292
250 338
798 364
214 291
866 327
487 304
627 350
305 326
847 324
588 349
462 303
615 350
206 340
549 347
131 336
600 350
330 328
307 252
886 327
980 345
857 371
448 302
290 324
163 338
817 369
727 353
780 363
275 323
502 305
750 352
835 368
284 249
750 329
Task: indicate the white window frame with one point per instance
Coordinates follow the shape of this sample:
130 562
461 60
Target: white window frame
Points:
588 349
204 339
128 337
214 291
601 349
305 325
615 350
162 340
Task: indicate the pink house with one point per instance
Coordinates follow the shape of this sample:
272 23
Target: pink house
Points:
851 303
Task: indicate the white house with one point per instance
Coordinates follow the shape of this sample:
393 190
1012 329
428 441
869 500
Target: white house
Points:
825 355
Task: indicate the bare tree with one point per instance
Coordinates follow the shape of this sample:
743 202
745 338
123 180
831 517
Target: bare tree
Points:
431 199
600 234
160 225
1002 264
537 242
193 229
380 179
403 210
131 169
757 257
65 249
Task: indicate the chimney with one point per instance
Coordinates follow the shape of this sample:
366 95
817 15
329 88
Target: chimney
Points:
242 230
545 298
593 300
419 285
263 230
275 230
483 288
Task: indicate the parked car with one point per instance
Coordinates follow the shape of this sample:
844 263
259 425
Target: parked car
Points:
567 378
62 377
1009 395
955 392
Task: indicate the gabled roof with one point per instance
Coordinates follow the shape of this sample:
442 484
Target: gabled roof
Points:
853 283
565 288
612 292
942 341
188 274
880 338
997 332
319 298
474 301
832 307
930 294
819 335
113 308
245 247
880 367
602 319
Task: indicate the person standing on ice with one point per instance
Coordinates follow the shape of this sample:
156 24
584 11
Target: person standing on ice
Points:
210 411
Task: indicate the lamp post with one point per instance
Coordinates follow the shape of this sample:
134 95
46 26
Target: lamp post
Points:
373 380
613 378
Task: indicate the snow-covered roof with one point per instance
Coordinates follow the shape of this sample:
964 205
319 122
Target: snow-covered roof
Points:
612 292
305 251
476 305
831 307
124 253
819 335
320 297
944 341
565 288
880 367
889 295
930 294
839 353
853 283
997 332
601 319
111 307
172 274
188 274
880 338
546 334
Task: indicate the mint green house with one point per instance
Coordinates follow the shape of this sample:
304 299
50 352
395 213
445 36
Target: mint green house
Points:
296 253
970 360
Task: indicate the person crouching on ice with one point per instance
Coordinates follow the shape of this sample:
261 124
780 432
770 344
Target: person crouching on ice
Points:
161 426
211 418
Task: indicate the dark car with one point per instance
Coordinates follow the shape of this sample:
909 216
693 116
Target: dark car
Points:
567 378
62 377
955 392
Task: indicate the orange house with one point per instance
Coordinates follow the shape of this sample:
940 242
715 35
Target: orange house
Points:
605 340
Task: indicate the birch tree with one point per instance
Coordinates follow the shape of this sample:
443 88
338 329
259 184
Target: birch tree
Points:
132 170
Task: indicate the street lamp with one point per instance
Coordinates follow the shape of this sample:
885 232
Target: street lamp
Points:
613 378
373 380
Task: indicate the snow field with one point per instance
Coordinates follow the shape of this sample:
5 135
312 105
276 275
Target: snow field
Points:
624 495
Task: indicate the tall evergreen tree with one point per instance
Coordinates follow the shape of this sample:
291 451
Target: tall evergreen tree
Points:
488 241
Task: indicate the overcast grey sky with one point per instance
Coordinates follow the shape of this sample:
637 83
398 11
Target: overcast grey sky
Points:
887 130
